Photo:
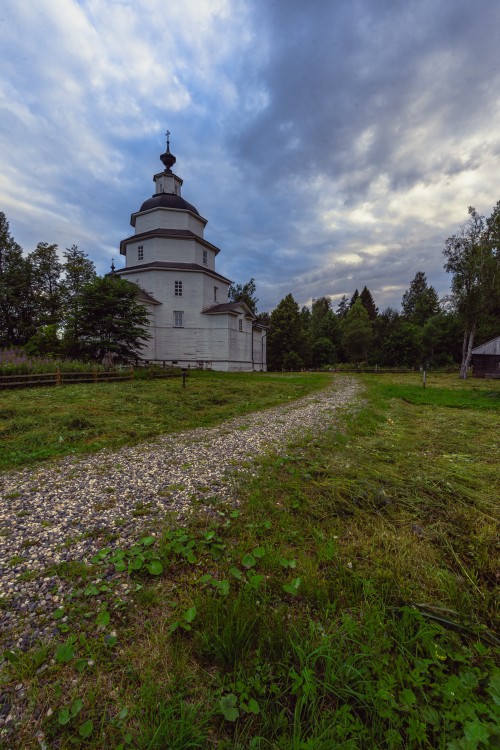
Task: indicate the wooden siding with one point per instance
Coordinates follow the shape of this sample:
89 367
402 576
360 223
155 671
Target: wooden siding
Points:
486 365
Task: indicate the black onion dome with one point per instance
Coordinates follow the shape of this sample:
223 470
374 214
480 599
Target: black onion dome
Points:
168 200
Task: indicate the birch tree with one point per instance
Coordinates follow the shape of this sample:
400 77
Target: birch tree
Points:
473 261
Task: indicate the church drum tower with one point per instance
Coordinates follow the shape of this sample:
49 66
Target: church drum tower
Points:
173 266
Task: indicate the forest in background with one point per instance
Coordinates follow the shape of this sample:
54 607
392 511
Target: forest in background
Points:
427 331
62 308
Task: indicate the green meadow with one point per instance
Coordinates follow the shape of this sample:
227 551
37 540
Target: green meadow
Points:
350 601
43 423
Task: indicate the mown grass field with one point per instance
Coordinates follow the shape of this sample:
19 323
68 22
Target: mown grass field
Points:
351 601
42 423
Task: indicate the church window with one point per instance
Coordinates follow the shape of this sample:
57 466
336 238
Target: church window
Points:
178 288
240 325
205 257
178 319
215 294
140 252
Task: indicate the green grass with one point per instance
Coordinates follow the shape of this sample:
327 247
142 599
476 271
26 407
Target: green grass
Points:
42 423
442 390
350 602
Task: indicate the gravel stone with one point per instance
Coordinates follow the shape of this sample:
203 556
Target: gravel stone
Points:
69 509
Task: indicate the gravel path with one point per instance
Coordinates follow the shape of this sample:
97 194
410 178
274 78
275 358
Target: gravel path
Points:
68 510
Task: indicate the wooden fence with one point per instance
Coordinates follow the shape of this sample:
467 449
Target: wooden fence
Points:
58 377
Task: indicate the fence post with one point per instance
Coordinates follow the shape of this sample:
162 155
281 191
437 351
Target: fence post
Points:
94 372
132 372
58 376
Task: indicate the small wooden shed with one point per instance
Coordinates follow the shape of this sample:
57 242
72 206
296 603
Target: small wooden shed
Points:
486 359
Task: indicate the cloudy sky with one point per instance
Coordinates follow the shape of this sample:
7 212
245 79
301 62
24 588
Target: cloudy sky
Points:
330 144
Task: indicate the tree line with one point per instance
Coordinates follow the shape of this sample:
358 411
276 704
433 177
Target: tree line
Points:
63 308
427 331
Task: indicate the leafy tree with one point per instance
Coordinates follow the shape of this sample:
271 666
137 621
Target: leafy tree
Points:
472 258
292 361
244 293
493 240
45 341
325 325
46 271
441 339
383 326
357 335
403 345
368 303
285 338
17 320
323 352
420 302
110 320
264 318
78 270
487 327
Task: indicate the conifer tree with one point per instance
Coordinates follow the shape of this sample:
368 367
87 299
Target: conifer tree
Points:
324 334
285 339
343 307
353 298
46 271
420 302
368 303
357 335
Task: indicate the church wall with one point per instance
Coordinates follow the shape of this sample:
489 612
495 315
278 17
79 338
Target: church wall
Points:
259 349
199 257
148 351
177 251
168 218
213 341
209 297
154 248
183 334
204 340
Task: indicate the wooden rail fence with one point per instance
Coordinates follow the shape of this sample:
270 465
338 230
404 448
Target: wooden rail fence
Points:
47 379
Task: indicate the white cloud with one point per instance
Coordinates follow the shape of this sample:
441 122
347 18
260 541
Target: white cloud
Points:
328 146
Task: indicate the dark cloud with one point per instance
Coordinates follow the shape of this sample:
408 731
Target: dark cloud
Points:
338 70
330 144
357 91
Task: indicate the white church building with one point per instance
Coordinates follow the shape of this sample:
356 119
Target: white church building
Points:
191 321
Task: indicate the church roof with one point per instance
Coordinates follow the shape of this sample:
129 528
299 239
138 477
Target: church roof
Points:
168 266
228 307
144 296
168 200
182 234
